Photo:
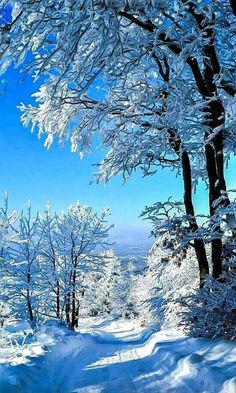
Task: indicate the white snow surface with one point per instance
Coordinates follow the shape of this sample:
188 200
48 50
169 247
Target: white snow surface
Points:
113 356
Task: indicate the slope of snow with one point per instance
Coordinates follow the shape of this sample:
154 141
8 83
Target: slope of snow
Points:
116 356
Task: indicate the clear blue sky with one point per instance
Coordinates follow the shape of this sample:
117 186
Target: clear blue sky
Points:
29 171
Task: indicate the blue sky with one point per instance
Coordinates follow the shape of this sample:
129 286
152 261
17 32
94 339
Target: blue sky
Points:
29 171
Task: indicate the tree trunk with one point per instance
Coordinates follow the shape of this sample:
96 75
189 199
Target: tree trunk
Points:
233 5
215 122
205 83
198 242
67 309
215 171
216 250
176 143
29 305
73 302
57 299
188 203
30 310
77 314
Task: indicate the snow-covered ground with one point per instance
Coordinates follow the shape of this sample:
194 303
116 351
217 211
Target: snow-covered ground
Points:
113 356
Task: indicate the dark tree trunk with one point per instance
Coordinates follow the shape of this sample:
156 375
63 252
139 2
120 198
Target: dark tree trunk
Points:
217 184
29 305
57 283
73 302
215 118
188 203
67 309
57 299
233 6
176 143
205 83
77 314
30 311
198 242
216 252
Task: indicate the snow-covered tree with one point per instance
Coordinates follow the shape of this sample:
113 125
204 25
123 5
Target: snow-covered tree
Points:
166 76
81 236
127 290
49 264
8 237
100 287
22 270
111 291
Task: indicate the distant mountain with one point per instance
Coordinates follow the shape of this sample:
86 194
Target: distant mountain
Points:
130 249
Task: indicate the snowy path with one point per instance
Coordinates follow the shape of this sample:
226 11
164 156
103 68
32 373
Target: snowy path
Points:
120 357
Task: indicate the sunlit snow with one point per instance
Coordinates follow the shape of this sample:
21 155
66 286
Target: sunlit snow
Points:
115 356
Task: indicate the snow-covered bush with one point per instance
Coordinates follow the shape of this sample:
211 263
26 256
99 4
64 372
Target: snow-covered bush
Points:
211 311
172 298
167 278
